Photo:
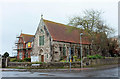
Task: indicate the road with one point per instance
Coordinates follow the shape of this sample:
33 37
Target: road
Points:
113 72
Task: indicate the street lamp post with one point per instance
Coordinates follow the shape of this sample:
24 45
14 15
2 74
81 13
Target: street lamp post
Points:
81 47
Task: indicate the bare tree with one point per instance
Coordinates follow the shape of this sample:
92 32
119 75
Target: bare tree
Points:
95 28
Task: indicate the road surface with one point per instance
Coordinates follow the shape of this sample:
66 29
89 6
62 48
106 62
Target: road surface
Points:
113 72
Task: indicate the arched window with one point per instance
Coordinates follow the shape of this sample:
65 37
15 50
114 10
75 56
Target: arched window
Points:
41 40
64 50
47 55
20 55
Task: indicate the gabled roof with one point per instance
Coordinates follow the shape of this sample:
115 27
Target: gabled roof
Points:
26 37
59 32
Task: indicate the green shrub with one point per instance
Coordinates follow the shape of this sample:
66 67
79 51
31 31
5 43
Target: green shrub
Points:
94 56
75 57
13 60
90 56
19 68
78 59
20 60
63 61
99 56
27 59
37 62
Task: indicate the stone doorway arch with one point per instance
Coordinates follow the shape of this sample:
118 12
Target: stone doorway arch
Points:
41 51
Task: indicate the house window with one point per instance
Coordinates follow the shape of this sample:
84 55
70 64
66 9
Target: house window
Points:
64 50
21 45
78 51
72 51
20 55
30 53
60 49
26 55
41 40
47 55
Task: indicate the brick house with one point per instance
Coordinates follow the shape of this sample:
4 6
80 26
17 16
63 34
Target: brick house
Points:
52 42
24 46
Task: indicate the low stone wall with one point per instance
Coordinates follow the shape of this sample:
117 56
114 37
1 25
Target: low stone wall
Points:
19 64
105 61
86 61
43 65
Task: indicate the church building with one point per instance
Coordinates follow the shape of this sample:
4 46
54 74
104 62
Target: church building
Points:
52 41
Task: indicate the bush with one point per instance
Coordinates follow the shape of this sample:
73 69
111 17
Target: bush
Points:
37 62
94 56
27 59
20 60
63 61
99 56
13 60
78 59
75 57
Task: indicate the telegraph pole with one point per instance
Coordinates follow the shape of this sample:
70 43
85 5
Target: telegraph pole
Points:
81 47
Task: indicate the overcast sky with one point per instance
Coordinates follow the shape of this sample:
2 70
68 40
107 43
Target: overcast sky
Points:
17 15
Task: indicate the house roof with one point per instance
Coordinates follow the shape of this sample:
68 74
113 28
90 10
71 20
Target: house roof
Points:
60 32
26 37
31 40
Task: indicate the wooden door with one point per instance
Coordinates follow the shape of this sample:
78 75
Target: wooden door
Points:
42 58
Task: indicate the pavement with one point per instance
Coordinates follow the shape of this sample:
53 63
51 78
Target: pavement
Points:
113 72
45 70
98 72
63 70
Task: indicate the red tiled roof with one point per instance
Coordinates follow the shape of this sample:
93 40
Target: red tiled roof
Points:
59 32
26 37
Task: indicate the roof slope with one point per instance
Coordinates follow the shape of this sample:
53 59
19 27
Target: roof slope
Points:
26 37
59 32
